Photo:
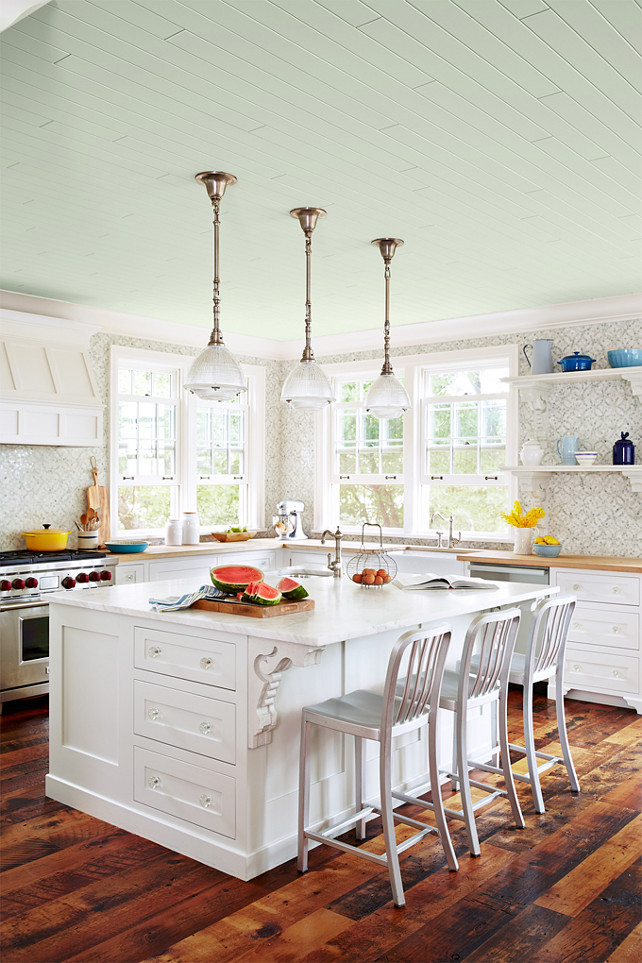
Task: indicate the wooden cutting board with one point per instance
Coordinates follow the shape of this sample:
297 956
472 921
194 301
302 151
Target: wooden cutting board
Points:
234 607
97 499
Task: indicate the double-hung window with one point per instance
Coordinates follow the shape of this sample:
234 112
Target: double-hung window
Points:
446 455
172 452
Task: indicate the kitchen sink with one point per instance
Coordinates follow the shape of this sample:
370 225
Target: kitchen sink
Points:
299 571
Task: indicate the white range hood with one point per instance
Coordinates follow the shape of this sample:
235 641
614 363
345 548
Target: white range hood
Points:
48 392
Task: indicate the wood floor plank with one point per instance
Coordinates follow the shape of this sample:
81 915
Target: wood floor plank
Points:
629 950
575 891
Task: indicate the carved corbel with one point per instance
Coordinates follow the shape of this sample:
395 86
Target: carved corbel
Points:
265 670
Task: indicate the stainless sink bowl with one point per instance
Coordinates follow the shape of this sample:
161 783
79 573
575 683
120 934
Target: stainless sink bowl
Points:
300 571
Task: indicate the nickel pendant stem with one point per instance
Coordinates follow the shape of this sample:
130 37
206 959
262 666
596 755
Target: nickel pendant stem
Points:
308 354
387 367
216 337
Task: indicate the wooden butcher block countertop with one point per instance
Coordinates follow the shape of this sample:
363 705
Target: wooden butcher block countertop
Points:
600 563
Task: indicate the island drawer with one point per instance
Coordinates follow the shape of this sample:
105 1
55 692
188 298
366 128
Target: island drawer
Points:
187 721
187 657
199 796
600 671
599 587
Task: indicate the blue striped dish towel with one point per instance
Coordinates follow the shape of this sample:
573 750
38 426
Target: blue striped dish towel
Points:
175 602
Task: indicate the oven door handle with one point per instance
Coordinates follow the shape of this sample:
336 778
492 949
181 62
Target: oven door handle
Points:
14 606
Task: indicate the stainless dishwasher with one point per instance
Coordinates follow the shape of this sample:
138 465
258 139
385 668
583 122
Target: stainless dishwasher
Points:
496 572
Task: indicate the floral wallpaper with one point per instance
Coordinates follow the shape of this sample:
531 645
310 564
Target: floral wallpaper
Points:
590 513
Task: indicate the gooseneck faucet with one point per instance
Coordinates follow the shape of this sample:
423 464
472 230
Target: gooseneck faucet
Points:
335 566
452 541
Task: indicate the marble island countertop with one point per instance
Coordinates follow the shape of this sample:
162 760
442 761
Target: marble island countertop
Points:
342 610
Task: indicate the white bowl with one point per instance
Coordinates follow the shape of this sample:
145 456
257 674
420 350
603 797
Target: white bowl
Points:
585 457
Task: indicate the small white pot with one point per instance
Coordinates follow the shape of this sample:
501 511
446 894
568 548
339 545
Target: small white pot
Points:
88 541
523 541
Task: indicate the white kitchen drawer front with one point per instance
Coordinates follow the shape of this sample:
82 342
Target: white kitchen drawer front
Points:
128 572
188 721
606 626
199 796
600 587
264 561
600 671
186 657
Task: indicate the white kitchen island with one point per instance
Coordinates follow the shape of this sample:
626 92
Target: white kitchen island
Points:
184 727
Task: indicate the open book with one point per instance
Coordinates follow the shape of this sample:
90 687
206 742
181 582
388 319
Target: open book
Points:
429 581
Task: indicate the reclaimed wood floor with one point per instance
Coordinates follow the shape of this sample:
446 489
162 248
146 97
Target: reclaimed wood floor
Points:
564 889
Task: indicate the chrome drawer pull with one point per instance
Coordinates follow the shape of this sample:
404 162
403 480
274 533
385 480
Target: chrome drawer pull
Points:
577 668
206 663
153 782
577 625
205 801
153 714
616 589
205 727
576 587
154 652
617 675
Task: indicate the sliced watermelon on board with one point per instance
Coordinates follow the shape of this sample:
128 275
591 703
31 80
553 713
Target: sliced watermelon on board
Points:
291 590
234 578
260 593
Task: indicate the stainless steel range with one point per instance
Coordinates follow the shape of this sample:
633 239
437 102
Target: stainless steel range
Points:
26 579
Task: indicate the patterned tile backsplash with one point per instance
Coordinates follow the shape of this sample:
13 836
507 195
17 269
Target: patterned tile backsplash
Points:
593 514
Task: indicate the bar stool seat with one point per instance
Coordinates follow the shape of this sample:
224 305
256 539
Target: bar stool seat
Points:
380 718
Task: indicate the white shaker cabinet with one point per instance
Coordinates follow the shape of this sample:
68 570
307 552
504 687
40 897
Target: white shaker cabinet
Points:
603 659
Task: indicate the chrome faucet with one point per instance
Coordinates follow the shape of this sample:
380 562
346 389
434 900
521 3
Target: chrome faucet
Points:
452 540
335 566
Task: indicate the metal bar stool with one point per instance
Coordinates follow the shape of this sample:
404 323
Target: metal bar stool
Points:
482 679
370 715
544 658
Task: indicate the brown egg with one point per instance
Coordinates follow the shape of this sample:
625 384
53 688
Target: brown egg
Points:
356 577
382 572
368 579
378 580
387 578
369 571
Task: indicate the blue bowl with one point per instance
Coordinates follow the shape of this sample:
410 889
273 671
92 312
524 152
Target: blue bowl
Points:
547 551
625 357
126 548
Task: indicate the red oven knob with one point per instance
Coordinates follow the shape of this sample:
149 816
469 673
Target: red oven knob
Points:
31 582
94 576
5 585
68 582
82 577
18 583
105 576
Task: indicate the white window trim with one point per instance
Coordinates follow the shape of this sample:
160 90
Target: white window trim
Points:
410 368
255 400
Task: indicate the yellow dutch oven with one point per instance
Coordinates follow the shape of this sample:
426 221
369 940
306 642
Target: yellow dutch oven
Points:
47 540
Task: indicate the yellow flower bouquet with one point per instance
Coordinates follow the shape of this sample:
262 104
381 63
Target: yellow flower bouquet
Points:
517 519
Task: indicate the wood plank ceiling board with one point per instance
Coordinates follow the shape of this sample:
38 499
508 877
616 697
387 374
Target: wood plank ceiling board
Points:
501 140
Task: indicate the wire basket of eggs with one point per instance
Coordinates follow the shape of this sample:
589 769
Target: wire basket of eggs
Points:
371 567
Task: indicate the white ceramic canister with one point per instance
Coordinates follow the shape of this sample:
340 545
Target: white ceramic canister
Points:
191 528
88 541
174 532
531 453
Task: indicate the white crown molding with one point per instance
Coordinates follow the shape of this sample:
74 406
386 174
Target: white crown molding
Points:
31 309
20 325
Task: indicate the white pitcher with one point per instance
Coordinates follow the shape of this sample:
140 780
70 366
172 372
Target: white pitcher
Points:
531 453
542 362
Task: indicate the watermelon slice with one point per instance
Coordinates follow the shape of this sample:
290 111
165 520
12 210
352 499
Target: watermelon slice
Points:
234 578
291 590
260 593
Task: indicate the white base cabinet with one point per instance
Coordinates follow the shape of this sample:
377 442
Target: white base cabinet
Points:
188 566
603 657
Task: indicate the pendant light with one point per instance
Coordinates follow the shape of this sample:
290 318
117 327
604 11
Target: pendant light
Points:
307 387
215 374
387 397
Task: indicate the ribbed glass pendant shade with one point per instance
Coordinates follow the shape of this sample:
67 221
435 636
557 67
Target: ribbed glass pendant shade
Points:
307 387
387 397
215 375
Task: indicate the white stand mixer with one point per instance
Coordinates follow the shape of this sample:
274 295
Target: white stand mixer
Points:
289 522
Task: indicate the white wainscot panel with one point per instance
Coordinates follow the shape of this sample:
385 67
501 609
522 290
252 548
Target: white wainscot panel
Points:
90 723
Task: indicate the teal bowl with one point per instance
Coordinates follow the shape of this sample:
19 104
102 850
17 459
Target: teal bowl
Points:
547 551
126 548
625 357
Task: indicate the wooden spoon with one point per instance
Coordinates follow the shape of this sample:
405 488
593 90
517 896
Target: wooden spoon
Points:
83 522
